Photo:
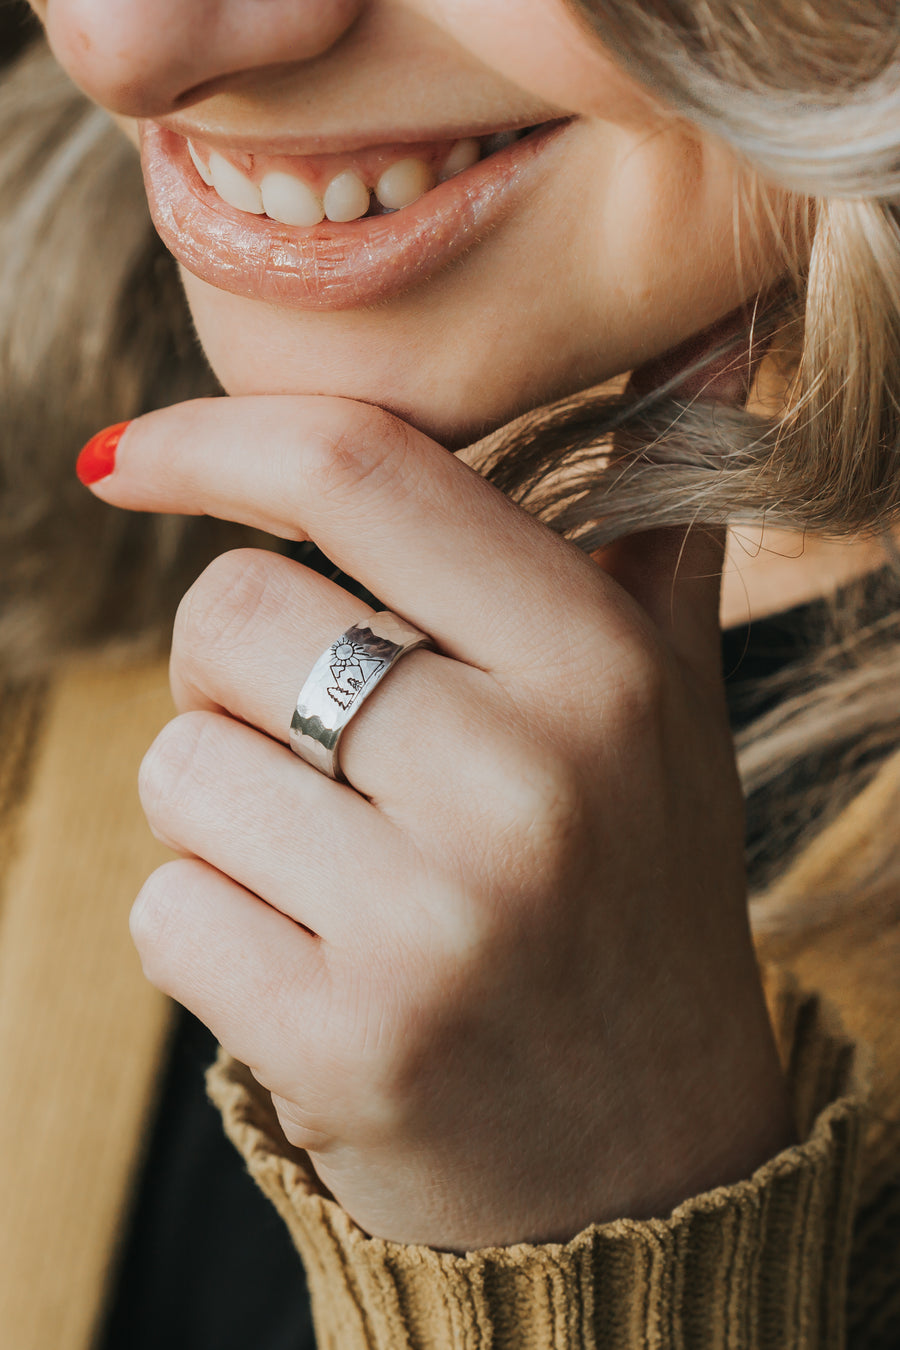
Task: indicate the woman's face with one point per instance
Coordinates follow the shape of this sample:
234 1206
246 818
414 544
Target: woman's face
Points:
573 254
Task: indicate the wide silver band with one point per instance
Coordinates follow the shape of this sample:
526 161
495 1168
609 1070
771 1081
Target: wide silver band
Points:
342 679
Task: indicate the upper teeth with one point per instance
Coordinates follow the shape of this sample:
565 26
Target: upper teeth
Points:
346 197
233 186
291 201
200 166
404 183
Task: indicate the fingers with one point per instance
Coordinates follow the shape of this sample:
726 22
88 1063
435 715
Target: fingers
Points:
217 789
250 630
294 842
257 980
390 507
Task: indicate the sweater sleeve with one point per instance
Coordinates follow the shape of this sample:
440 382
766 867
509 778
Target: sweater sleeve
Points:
758 1265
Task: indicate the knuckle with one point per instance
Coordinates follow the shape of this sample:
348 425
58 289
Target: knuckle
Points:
223 609
617 684
368 445
539 806
642 689
176 769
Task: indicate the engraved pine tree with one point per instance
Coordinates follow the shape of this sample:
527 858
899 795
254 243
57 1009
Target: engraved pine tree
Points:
351 670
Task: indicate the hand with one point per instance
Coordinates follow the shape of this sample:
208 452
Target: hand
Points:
502 986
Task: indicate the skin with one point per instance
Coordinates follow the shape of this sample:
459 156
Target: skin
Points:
504 985
642 206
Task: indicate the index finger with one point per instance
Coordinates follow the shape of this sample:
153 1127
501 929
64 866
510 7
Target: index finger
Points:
389 506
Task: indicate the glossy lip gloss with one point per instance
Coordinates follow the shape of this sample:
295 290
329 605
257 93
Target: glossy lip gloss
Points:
332 266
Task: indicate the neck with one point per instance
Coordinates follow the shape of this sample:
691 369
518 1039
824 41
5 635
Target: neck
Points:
768 570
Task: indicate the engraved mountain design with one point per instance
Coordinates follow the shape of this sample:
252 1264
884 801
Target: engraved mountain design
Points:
352 668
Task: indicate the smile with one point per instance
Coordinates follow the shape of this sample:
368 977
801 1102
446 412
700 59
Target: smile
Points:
304 191
334 231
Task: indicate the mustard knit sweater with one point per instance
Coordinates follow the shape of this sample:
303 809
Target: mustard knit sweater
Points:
805 1253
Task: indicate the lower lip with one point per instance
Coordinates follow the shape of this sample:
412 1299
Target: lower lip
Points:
332 266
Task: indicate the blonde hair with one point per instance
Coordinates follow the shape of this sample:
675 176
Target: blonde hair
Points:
93 328
808 96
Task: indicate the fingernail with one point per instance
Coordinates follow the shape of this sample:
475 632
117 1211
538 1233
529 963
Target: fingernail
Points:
98 458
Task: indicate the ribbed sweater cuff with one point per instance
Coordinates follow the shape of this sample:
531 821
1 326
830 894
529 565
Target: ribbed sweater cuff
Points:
757 1265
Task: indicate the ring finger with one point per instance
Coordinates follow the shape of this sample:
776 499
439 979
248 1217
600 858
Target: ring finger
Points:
249 631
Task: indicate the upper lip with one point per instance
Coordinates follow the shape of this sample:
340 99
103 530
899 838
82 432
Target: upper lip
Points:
339 142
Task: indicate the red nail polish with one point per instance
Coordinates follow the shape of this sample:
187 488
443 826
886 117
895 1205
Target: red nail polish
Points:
98 458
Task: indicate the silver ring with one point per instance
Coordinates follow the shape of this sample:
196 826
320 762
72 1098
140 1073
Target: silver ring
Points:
340 682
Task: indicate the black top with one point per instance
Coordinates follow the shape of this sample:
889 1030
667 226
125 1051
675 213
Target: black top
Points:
205 1262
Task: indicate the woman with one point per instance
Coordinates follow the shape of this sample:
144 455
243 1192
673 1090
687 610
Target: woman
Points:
488 958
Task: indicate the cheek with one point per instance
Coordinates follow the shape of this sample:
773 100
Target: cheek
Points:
544 47
682 240
673 242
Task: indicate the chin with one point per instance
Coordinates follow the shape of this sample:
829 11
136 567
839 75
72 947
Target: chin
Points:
453 422
454 382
